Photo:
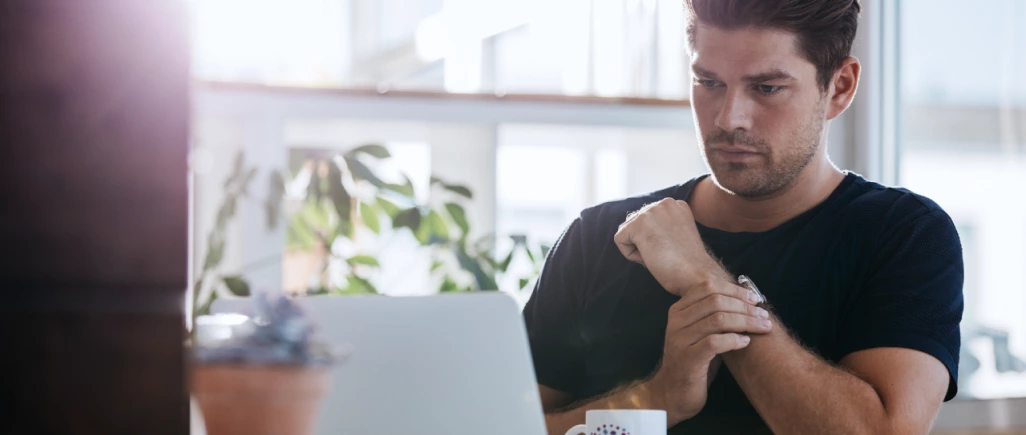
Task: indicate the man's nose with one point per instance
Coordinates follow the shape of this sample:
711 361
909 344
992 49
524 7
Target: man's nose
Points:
735 113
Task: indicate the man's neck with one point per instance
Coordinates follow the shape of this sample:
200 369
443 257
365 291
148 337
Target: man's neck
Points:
714 207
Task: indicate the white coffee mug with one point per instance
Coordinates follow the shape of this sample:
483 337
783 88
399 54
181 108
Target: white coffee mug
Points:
622 422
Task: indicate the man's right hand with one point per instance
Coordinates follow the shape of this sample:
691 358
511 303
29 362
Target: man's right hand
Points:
707 321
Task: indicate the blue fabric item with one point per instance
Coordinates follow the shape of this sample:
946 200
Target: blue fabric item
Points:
869 267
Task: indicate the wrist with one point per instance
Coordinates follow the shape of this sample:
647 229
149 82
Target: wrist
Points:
707 279
653 397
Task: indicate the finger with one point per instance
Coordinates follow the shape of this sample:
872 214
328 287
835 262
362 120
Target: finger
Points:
649 210
720 323
725 288
714 303
634 214
717 344
714 368
684 206
625 243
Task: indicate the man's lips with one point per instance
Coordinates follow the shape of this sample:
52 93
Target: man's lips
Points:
735 154
735 150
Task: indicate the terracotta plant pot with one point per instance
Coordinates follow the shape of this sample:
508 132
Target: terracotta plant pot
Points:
259 400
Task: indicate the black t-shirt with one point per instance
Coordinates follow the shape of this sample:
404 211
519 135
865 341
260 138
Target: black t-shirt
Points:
869 267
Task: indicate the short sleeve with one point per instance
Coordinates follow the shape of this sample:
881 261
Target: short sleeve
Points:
912 297
552 314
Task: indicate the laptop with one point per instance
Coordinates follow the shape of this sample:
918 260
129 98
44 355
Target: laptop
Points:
444 364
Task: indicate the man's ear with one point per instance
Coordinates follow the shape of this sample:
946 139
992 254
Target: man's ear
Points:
843 86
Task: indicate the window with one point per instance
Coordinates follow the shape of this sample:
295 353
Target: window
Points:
962 141
615 48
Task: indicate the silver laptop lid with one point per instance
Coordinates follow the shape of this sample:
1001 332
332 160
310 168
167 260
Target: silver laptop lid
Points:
443 364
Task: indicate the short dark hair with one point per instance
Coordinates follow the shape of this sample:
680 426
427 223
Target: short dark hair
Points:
825 28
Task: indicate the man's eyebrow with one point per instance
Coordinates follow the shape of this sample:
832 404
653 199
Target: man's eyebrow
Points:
703 72
774 74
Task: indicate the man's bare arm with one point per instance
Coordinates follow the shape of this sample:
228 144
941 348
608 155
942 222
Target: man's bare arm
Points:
875 391
699 328
560 417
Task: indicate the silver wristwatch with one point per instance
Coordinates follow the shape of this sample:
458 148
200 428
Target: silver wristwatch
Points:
747 282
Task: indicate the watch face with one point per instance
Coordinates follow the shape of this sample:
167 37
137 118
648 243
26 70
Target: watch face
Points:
750 285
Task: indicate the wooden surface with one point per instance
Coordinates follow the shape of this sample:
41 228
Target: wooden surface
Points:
93 216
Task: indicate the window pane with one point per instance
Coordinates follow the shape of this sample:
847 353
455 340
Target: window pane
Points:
630 48
963 142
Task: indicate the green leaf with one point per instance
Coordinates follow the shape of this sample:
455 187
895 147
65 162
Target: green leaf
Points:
366 260
373 150
313 190
530 254
524 282
405 189
436 264
236 170
358 286
226 212
298 236
369 216
460 190
484 280
448 286
485 243
343 229
236 285
455 188
389 207
309 225
423 234
505 263
459 216
248 179
339 196
438 226
215 251
433 229
409 218
205 308
316 291
406 192
362 172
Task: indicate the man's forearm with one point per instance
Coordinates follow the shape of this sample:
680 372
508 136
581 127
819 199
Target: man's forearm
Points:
797 392
633 396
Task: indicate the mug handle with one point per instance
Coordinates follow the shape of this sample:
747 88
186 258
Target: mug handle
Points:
578 430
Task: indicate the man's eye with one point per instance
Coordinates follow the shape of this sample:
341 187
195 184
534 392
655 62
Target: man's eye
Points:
767 89
708 83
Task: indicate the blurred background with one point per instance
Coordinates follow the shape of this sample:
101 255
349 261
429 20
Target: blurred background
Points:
407 147
543 108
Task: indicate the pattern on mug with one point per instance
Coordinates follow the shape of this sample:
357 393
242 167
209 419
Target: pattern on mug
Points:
610 430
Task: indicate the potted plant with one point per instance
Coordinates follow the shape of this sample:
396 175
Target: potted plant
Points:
241 385
346 198
267 377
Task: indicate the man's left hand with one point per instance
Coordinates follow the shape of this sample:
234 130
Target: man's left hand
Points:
663 237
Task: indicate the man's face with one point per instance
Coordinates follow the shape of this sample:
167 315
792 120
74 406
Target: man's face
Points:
758 109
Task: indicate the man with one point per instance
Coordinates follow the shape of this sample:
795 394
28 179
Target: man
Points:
638 305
